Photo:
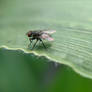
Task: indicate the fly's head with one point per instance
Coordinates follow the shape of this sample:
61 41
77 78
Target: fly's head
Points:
29 34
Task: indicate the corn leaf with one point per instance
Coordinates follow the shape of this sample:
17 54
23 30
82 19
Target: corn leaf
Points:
71 19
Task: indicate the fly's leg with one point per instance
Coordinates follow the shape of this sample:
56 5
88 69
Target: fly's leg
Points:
43 43
30 42
35 44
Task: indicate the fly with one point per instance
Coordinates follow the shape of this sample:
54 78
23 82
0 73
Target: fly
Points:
40 35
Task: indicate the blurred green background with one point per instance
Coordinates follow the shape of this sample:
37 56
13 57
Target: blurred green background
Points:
21 72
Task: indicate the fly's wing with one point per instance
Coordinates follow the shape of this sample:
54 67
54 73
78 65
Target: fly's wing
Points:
48 31
46 37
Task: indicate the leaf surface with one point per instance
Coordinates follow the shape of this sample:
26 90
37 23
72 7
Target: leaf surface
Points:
71 19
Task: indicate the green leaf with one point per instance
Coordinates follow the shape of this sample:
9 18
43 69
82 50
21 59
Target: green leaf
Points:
21 72
71 19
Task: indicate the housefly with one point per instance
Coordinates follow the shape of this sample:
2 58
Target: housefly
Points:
40 35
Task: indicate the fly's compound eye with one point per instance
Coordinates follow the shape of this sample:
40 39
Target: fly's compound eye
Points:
29 34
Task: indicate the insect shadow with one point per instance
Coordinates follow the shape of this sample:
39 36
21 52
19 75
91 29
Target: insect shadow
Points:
39 46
